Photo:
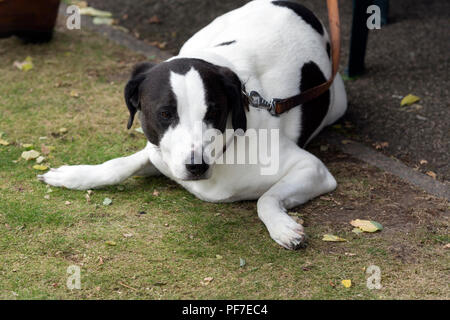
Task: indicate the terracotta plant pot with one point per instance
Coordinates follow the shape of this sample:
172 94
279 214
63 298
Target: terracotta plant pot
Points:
32 21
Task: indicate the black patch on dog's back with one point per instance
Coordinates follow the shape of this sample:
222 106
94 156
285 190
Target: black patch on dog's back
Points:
303 12
314 111
227 43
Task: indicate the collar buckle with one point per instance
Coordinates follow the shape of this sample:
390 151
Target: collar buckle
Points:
257 101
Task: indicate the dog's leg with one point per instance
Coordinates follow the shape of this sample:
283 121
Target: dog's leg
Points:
305 179
111 172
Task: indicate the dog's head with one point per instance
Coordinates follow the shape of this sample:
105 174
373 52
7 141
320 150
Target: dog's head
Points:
178 101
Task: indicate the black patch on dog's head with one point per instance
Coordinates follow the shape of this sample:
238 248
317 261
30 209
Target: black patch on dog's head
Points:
303 12
149 90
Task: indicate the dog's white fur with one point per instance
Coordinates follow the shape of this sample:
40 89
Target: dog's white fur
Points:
272 43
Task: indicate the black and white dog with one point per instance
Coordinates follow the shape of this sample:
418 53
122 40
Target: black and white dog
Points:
277 48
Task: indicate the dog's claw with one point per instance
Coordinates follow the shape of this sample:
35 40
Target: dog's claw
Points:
301 243
289 234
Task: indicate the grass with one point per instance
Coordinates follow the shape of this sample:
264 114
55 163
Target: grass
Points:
178 240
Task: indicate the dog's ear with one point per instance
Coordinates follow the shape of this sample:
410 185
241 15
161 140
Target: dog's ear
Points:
236 101
131 92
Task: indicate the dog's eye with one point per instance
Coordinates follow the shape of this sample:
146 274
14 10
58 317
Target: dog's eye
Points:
166 115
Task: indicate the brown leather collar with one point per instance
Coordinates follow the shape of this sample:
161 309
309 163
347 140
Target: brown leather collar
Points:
279 106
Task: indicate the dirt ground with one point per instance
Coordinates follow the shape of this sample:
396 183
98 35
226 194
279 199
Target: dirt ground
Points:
409 55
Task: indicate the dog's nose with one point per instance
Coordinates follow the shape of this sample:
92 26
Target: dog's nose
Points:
197 169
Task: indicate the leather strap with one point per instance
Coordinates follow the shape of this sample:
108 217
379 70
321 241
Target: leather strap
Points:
279 106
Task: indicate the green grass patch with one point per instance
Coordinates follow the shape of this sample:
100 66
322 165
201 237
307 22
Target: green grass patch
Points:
165 245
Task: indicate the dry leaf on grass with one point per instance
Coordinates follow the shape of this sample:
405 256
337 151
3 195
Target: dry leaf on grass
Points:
332 238
4 142
40 167
107 201
24 65
110 243
347 283
30 155
366 225
431 174
207 281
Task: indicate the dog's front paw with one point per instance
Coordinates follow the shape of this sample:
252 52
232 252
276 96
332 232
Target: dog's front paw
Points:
288 233
70 177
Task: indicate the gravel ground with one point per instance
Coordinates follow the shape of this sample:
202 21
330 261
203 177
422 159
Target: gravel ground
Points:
410 55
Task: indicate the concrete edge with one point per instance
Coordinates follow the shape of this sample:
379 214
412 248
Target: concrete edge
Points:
391 165
355 149
119 36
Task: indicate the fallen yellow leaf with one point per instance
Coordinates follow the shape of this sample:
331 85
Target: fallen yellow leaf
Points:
409 100
347 283
40 167
332 238
4 142
366 225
